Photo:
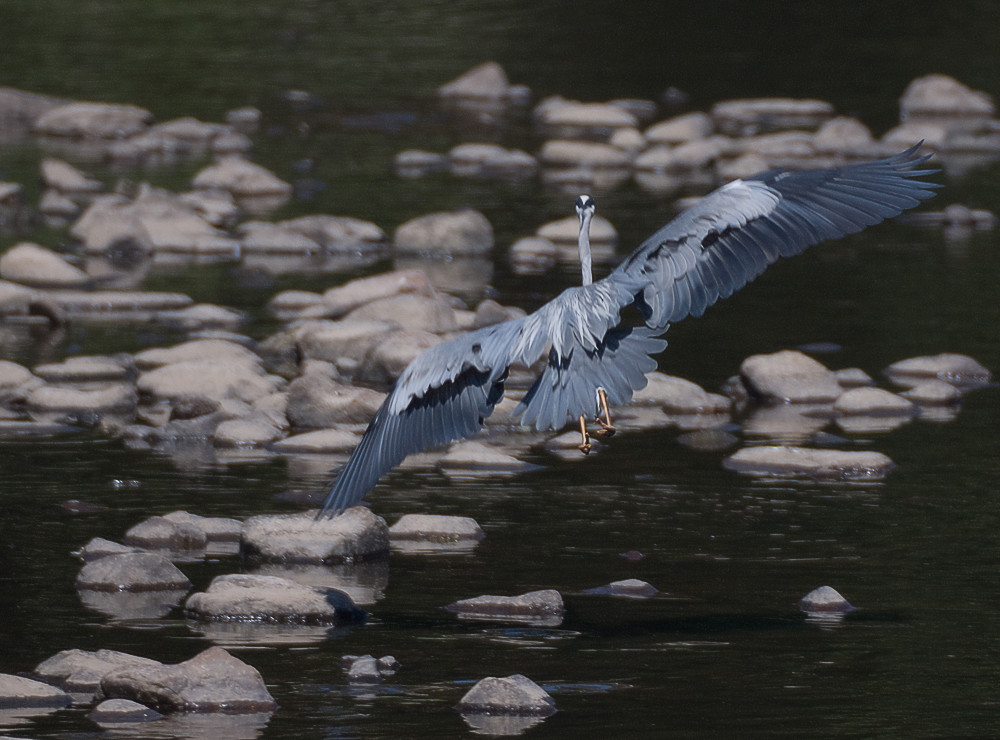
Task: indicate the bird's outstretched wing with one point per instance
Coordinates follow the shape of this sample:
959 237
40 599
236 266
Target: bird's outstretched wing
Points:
709 251
731 235
443 395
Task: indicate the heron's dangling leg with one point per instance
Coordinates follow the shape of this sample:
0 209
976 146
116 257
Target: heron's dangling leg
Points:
607 428
584 437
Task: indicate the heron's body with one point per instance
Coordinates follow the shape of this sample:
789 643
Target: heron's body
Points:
709 251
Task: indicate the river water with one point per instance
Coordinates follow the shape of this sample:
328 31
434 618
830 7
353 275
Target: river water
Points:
723 651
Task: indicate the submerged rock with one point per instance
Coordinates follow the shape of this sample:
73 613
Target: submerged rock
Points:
257 598
782 462
529 607
212 681
513 695
355 535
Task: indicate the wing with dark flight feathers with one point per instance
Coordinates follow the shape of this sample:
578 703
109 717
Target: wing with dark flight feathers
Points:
709 251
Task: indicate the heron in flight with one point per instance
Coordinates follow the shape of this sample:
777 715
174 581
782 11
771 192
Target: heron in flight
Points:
597 357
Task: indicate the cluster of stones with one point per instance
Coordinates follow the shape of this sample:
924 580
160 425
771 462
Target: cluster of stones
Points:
600 145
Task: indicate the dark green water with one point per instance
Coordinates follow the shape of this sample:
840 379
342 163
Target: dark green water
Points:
725 652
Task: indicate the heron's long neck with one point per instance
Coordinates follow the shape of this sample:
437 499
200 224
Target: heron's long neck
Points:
584 241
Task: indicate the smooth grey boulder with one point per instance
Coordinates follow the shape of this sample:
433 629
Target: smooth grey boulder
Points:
316 402
464 231
680 129
242 178
411 312
532 255
789 377
319 442
512 695
389 357
872 402
93 121
212 379
339 342
197 350
144 571
570 119
98 547
938 96
122 711
435 528
933 393
786 462
253 431
853 377
490 160
260 598
126 305
337 233
355 535
17 692
762 115
86 369
547 603
825 600
158 532
560 153
81 671
343 299
32 264
679 396
630 588
67 179
959 370
212 681
14 376
487 81
418 163
471 458
119 397
215 528
842 135
267 238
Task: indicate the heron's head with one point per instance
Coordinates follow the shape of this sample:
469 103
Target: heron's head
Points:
585 206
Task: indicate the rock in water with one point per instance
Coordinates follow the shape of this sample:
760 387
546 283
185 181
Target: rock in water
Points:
212 681
824 600
514 695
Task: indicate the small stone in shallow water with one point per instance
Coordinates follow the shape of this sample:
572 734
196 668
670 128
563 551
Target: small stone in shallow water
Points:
158 532
633 556
789 377
17 692
435 528
141 571
792 462
120 711
631 588
959 370
364 669
825 600
81 671
513 695
528 606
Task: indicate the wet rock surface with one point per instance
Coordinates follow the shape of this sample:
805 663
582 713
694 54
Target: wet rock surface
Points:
530 606
825 600
355 535
631 588
212 681
81 671
794 462
258 598
514 695
119 711
139 571
19 692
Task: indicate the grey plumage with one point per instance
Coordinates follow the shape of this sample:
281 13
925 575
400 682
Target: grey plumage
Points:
706 253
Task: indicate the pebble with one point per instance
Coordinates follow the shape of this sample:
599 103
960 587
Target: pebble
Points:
355 535
261 598
211 681
786 462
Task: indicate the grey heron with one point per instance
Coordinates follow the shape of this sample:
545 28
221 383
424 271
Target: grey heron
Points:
594 358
